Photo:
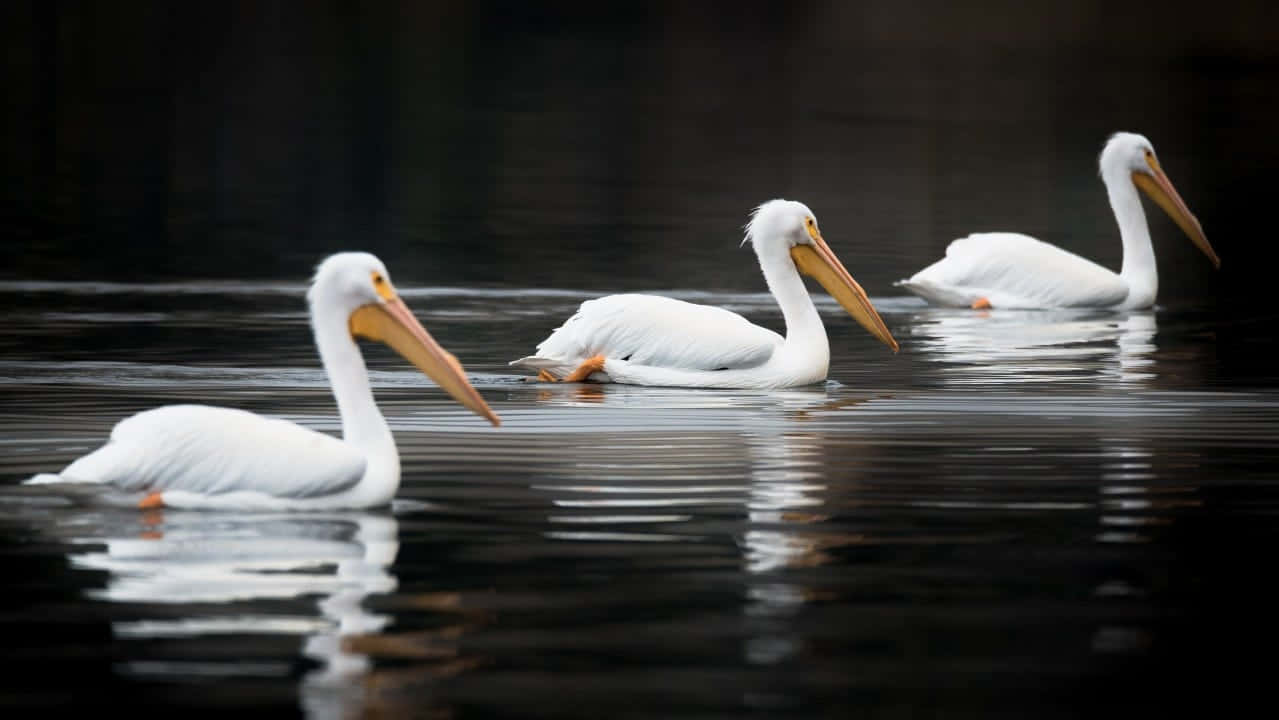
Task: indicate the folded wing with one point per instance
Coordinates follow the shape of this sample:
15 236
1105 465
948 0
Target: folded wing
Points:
211 450
655 331
1014 270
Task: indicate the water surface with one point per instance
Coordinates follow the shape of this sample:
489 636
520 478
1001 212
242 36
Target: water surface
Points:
1022 513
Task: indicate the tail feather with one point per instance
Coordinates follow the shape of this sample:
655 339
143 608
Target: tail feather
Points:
45 479
936 294
556 367
535 361
100 467
51 489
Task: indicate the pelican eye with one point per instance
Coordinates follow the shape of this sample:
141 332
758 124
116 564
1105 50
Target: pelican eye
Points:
382 287
811 226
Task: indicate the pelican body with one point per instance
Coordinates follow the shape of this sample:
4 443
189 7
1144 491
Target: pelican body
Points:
196 456
653 340
1010 270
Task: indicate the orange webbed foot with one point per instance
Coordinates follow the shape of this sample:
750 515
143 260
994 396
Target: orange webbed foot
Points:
586 369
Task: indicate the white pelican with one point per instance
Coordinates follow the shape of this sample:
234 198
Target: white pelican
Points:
190 456
652 340
1010 270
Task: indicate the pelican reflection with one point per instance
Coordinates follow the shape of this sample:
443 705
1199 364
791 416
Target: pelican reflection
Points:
784 498
784 532
1020 346
203 575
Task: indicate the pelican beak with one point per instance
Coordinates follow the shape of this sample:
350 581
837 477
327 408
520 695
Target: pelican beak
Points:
817 261
1160 189
392 323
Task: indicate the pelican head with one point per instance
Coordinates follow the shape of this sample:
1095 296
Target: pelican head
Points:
1133 155
357 287
789 226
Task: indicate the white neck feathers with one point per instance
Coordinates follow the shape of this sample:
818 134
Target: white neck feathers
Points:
804 330
362 422
1138 270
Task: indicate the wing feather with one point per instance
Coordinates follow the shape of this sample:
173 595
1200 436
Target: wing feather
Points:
656 331
1014 270
212 450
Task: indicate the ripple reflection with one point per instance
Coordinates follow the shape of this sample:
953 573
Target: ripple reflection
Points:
1037 346
199 576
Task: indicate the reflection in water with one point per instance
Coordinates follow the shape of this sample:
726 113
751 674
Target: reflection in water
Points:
656 490
621 490
223 566
1137 347
1135 502
1126 490
633 492
1127 484
618 396
745 548
786 476
1002 346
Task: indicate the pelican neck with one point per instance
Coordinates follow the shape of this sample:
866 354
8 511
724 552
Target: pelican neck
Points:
362 423
1138 270
803 324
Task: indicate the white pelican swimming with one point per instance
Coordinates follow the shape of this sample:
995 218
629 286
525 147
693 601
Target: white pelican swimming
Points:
1010 270
652 340
190 456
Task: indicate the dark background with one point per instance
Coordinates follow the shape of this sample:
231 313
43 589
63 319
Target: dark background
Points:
607 146
618 145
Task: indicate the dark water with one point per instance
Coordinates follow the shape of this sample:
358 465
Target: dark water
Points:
1021 514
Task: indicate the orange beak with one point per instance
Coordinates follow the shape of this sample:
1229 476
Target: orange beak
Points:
392 323
819 262
1160 189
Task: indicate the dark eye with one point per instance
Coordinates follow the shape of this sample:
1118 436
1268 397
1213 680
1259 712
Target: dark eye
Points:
378 279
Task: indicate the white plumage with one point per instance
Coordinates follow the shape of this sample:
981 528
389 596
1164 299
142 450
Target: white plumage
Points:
1009 270
653 340
1012 270
201 456
215 451
655 331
